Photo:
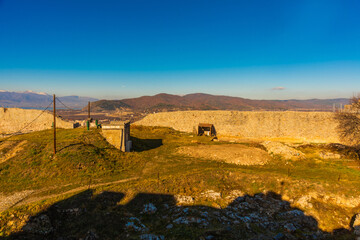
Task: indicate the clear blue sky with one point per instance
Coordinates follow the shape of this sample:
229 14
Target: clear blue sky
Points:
117 49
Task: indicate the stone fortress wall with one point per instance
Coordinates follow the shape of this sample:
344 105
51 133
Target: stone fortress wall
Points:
297 126
14 119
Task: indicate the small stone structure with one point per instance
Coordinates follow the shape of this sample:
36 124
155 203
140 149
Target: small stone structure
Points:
206 129
118 135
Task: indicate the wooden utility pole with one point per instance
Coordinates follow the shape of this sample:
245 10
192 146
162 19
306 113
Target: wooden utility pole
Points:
89 110
54 112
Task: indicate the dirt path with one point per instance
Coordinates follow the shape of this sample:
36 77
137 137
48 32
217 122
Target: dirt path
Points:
14 149
24 197
9 201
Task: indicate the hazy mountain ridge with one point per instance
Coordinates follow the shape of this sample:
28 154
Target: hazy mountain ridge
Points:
201 101
167 102
30 99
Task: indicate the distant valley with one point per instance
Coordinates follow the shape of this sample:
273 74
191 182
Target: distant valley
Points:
169 102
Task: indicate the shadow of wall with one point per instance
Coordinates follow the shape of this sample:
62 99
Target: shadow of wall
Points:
156 216
140 145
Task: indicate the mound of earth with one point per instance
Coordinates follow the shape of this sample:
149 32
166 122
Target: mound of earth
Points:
229 153
283 150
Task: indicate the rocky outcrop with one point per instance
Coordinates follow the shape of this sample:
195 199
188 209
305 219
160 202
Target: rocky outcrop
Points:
258 216
158 216
287 152
355 224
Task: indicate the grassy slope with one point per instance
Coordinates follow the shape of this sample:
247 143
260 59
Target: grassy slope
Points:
81 156
85 157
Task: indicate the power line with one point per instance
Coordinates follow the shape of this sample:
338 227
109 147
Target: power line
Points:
65 105
15 133
54 115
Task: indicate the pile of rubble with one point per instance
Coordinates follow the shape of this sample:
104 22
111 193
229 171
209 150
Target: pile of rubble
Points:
287 152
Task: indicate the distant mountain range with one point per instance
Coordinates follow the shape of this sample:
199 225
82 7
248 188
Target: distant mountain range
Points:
30 99
201 101
168 102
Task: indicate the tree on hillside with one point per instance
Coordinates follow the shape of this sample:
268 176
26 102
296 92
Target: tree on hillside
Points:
349 122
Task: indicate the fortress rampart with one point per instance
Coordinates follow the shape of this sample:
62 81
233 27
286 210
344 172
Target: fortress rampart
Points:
14 119
302 126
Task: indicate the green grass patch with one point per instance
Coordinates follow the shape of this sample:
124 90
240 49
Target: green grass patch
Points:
85 158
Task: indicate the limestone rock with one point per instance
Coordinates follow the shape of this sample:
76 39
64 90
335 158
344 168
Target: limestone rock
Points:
151 237
355 224
91 235
134 224
283 150
211 194
289 227
183 200
39 225
329 155
304 202
149 208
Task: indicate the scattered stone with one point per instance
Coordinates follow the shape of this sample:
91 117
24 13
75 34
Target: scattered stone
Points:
244 205
39 225
204 214
184 200
211 194
283 150
70 211
149 208
289 236
304 201
262 216
290 227
194 220
216 213
355 224
181 220
245 219
291 214
136 225
91 235
151 237
329 155
235 194
185 210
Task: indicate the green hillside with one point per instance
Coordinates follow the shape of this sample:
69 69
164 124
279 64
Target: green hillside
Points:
87 168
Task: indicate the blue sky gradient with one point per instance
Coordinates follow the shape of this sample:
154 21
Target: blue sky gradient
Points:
119 49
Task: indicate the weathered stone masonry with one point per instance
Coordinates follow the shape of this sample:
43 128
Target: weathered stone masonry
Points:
304 126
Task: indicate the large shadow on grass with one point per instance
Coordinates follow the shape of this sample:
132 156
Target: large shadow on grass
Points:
156 216
88 145
140 145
